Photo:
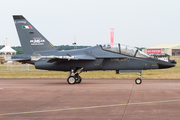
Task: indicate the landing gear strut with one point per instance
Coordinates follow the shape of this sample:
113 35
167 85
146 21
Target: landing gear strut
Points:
138 80
74 76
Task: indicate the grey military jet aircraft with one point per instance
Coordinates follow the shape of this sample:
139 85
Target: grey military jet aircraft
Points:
37 50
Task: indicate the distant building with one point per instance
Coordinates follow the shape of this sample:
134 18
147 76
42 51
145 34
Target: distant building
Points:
7 52
170 49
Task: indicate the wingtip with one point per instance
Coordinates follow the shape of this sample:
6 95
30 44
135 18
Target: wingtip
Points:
18 17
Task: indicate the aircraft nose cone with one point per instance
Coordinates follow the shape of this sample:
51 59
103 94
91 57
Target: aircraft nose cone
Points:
163 65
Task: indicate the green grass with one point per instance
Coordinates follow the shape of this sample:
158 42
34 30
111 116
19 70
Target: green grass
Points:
153 74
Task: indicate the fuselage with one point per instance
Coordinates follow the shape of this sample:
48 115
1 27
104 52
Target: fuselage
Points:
105 60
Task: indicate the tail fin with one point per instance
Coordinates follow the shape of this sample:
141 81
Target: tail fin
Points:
30 38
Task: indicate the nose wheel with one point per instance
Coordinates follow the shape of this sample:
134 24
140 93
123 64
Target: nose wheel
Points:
139 80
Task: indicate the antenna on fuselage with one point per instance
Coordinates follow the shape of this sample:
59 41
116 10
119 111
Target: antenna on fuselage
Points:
75 47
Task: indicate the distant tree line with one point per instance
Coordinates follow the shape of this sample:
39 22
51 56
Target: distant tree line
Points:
140 48
67 47
18 49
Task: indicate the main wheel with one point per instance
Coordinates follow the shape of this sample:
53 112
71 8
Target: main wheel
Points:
78 80
138 81
71 80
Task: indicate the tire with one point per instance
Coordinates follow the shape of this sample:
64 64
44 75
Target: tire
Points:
71 80
78 80
138 81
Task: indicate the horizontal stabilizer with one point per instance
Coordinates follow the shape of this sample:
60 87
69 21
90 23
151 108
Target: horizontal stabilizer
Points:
26 59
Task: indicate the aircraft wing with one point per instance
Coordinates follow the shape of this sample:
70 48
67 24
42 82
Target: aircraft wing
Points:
121 57
84 57
37 57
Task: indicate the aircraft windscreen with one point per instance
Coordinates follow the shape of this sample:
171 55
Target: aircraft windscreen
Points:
127 50
124 49
141 54
111 47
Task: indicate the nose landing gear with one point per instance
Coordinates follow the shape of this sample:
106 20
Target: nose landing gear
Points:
139 80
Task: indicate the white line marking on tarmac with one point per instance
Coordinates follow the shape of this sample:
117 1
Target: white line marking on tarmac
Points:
78 108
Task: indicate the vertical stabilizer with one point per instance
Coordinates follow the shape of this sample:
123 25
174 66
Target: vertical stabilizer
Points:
31 39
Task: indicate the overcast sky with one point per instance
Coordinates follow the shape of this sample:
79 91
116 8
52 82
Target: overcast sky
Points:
141 23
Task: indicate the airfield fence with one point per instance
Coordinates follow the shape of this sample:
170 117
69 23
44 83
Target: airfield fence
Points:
177 58
17 67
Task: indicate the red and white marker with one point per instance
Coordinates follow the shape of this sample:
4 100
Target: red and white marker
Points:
112 35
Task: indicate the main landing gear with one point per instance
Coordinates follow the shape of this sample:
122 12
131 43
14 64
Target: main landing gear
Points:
138 80
74 76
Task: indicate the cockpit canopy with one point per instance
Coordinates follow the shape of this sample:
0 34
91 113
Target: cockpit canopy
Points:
124 49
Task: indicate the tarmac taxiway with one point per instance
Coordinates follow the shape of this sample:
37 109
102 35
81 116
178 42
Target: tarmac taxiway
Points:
93 99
